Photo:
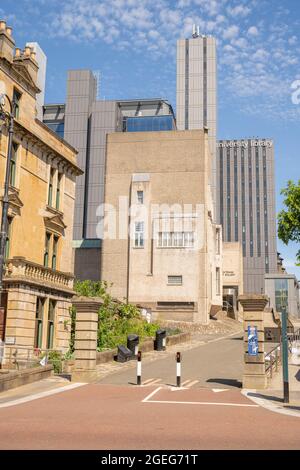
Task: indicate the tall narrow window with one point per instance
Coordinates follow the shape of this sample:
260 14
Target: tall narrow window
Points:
13 164
16 99
218 287
54 252
47 246
51 318
58 191
8 237
50 189
39 313
139 235
218 241
140 197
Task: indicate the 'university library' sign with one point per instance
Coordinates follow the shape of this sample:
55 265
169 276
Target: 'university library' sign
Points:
245 143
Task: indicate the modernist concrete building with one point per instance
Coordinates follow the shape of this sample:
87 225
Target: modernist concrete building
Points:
38 281
246 199
85 122
196 98
166 252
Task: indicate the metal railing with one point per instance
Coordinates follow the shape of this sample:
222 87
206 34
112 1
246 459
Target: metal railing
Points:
23 357
273 357
272 360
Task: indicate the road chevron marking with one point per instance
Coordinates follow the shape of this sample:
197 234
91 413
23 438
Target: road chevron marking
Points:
36 396
218 390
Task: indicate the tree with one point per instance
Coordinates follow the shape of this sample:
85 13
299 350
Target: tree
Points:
289 218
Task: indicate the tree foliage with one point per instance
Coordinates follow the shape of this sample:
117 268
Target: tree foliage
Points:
289 218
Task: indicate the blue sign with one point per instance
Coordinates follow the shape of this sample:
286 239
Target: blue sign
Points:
252 341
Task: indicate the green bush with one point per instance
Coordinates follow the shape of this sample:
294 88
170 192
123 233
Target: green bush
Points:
116 319
55 358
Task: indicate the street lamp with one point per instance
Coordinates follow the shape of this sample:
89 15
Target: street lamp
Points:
6 118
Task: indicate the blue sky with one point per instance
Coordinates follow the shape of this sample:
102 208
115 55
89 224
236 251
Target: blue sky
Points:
133 44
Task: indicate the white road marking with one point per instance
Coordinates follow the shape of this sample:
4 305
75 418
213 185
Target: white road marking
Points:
36 396
151 395
170 402
218 390
147 381
150 382
185 382
199 403
192 383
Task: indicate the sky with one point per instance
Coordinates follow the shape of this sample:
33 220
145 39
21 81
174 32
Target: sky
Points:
132 43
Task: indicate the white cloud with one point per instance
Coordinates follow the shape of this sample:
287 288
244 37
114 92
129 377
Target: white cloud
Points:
231 32
239 10
253 31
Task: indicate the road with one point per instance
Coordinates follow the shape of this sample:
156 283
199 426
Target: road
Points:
214 364
113 414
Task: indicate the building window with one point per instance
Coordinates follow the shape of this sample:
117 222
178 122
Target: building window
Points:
13 164
50 189
140 197
51 318
39 314
8 238
54 252
218 241
58 190
218 284
175 280
47 247
16 100
176 239
139 235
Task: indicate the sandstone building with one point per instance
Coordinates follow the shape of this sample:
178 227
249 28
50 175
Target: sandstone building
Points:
38 280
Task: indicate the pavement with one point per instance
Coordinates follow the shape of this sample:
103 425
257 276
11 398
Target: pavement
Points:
207 412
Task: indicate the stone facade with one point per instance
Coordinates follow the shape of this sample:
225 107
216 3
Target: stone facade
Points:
165 178
39 259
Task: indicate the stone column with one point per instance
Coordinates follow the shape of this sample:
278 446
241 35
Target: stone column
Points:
254 366
86 338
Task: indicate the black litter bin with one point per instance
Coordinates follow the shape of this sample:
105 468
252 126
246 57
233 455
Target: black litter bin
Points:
133 344
160 340
124 354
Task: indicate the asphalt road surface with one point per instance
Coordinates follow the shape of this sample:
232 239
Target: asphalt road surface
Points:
216 364
209 412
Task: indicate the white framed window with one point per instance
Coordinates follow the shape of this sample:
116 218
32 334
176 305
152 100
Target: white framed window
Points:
174 280
175 239
140 197
139 235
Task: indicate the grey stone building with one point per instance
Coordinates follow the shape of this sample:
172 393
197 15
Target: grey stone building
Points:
84 122
246 205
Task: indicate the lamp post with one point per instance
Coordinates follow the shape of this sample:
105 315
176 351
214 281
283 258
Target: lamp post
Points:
6 118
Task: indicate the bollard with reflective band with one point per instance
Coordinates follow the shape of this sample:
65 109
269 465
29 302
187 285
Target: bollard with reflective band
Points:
139 368
178 369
